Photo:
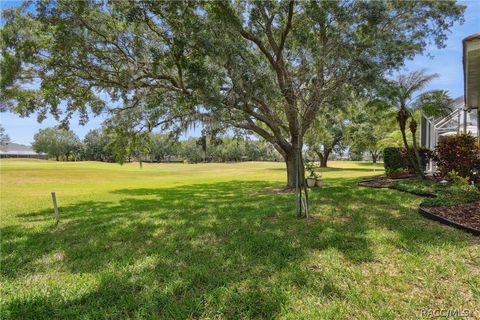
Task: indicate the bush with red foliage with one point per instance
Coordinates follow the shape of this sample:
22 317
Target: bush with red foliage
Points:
425 156
460 153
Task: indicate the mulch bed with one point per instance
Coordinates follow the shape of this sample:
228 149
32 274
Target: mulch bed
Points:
467 214
382 181
377 182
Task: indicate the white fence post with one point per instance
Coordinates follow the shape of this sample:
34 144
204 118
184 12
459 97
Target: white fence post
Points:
57 214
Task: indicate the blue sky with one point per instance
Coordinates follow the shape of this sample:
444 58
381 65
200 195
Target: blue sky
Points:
446 62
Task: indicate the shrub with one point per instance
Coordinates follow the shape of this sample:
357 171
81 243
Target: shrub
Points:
425 156
397 162
458 179
475 176
397 173
393 161
453 195
458 153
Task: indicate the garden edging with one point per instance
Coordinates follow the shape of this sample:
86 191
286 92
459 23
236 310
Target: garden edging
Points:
427 214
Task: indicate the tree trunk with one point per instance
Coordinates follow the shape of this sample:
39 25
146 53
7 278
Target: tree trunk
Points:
374 156
319 155
291 159
402 118
419 160
413 130
404 138
405 144
324 159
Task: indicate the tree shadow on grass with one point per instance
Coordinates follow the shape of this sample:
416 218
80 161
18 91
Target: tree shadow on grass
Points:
205 250
330 169
369 164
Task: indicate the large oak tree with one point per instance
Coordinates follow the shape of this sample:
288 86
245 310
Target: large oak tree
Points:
267 67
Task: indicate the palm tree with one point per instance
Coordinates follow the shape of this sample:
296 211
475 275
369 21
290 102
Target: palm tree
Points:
404 98
435 103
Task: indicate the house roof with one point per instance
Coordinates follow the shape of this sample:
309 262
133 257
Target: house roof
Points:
472 37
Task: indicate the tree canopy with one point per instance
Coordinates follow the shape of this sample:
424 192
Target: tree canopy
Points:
97 146
267 67
371 127
327 132
57 143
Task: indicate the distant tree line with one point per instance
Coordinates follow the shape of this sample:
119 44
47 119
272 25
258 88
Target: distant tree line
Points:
100 145
4 138
57 143
359 133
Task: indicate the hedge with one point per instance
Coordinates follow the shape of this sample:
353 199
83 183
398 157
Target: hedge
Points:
397 162
393 160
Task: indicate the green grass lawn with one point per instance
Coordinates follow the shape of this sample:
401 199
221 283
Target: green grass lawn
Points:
175 241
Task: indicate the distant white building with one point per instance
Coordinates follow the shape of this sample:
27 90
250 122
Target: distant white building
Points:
15 150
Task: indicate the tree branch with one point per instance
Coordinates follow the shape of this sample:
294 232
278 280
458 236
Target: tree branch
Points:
288 27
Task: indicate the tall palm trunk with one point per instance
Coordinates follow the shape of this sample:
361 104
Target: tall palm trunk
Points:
413 130
402 117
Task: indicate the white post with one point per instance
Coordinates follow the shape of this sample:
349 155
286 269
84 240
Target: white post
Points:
55 208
